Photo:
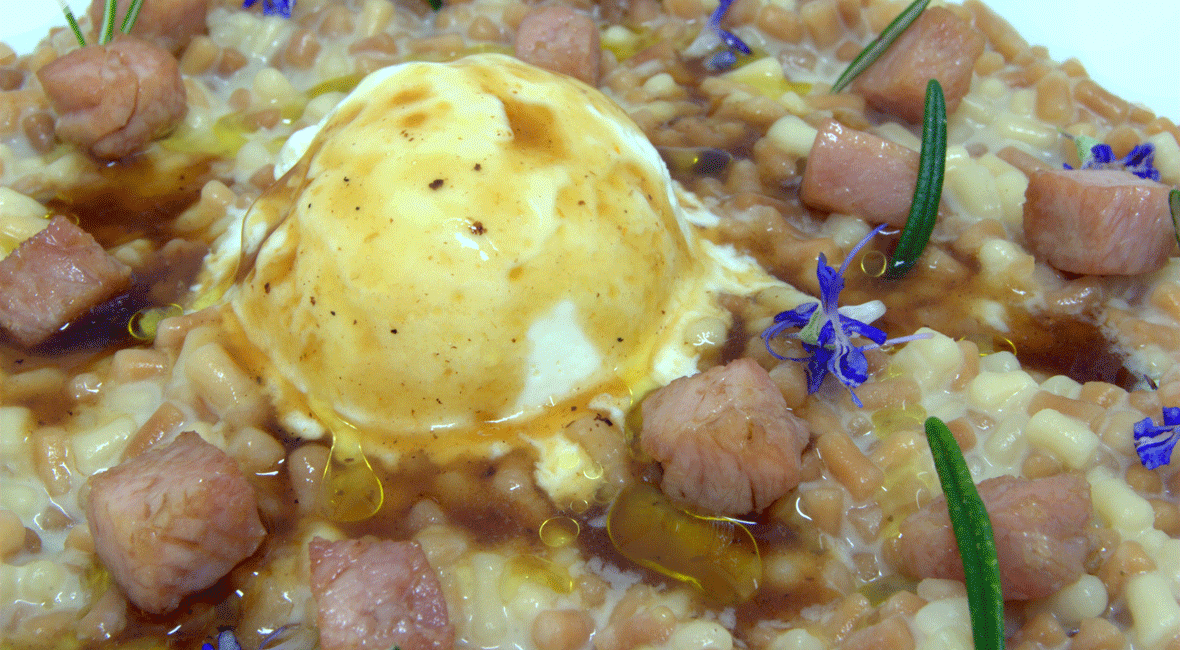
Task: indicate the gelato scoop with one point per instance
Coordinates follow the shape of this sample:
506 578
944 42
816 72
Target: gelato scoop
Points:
467 244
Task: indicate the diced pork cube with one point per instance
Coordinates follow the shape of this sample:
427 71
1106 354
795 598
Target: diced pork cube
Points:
173 521
52 278
170 24
114 99
1098 221
858 173
939 45
561 39
1039 526
377 594
726 439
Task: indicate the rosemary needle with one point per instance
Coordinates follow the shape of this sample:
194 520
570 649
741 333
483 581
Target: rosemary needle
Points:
108 22
72 22
875 49
928 190
130 17
973 532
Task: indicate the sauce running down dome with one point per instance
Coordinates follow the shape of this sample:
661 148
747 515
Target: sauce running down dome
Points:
466 243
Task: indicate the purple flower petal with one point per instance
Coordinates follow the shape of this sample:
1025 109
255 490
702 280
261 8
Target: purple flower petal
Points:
1140 162
732 41
850 365
799 316
817 366
272 7
726 58
1155 443
1140 154
719 13
831 282
853 326
1102 154
1171 415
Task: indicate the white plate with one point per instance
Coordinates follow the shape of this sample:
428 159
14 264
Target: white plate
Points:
1128 47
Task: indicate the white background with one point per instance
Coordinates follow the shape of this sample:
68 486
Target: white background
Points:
1131 47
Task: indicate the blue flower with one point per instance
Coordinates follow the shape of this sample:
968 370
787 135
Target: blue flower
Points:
1155 443
1097 155
272 7
713 36
826 329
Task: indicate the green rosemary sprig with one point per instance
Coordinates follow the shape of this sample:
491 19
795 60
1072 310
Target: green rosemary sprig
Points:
107 28
130 17
107 31
928 190
73 23
973 532
875 49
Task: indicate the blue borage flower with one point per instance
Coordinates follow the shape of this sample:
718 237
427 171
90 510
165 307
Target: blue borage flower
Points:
1094 154
712 37
272 7
826 329
1155 443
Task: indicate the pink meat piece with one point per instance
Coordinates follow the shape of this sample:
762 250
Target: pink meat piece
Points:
561 39
114 99
52 278
173 521
939 45
1039 527
726 439
1098 222
377 594
858 173
170 24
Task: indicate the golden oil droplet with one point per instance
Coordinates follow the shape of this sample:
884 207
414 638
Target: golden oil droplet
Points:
556 532
717 555
351 489
593 472
143 323
991 344
873 264
354 492
1003 344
